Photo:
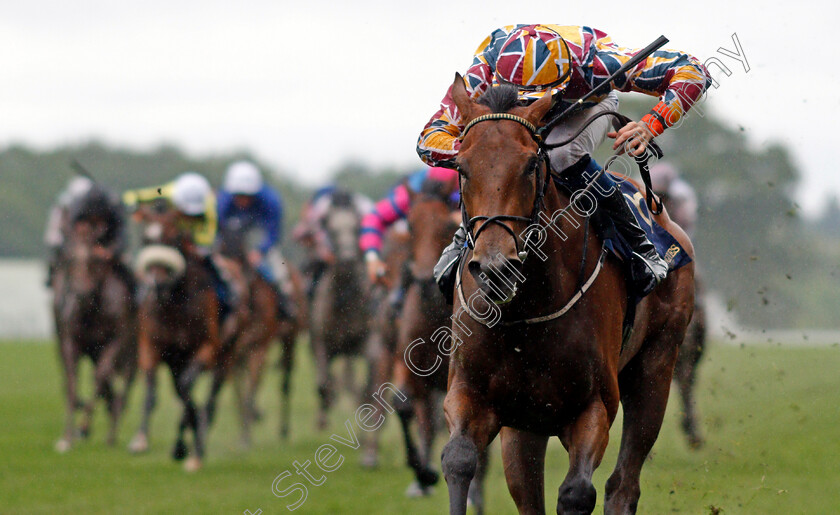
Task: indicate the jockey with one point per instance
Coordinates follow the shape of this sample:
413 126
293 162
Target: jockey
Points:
191 195
247 203
310 232
678 196
572 61
395 206
58 221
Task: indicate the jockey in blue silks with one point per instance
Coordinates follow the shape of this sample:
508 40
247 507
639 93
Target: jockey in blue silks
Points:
246 203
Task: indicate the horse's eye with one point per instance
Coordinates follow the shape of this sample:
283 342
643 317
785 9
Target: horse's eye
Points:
531 167
462 170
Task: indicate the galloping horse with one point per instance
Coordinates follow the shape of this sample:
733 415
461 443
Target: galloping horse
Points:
340 318
418 370
244 352
539 342
383 339
95 316
179 325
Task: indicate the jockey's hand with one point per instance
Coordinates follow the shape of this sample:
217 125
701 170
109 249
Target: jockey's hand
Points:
632 138
255 257
375 269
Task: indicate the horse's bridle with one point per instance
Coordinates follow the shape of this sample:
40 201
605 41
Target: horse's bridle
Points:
654 203
542 181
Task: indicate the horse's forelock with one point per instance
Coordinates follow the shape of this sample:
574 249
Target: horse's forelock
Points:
500 99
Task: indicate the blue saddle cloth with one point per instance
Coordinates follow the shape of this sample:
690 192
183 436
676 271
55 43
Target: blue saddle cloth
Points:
666 245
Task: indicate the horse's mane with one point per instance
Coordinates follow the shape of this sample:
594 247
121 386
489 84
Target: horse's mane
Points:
500 99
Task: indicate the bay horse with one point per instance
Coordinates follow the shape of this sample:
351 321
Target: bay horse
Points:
95 316
244 352
539 351
396 252
339 315
418 369
179 325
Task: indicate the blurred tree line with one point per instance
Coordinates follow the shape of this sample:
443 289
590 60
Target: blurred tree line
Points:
773 267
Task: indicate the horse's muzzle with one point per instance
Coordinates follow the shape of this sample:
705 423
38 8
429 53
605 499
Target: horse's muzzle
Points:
497 276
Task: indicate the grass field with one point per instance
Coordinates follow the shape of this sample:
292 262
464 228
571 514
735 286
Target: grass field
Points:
771 417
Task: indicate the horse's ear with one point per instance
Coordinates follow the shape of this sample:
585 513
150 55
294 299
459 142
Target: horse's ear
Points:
538 109
462 99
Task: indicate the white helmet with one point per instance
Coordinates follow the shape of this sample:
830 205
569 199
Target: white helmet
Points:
190 193
243 178
76 189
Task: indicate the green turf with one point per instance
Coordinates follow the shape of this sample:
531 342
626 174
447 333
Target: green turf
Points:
771 416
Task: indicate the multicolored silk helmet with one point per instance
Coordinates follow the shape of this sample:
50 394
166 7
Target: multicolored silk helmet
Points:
535 59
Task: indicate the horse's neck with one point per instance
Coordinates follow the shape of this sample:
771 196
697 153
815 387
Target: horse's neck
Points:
347 277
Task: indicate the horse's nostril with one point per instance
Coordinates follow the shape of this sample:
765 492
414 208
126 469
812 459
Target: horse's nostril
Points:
474 267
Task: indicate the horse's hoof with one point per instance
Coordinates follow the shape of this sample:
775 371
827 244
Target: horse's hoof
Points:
179 452
322 423
428 477
63 446
370 460
695 442
414 490
84 432
284 433
193 464
257 414
138 444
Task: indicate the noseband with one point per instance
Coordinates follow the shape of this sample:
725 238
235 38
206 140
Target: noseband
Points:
539 196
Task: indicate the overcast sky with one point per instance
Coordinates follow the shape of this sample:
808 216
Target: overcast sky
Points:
306 85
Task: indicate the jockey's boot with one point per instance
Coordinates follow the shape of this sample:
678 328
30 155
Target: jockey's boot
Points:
647 268
446 266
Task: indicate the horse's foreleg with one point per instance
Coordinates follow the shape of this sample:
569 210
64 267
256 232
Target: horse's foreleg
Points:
140 442
685 374
322 363
523 457
70 362
586 440
644 384
220 373
381 361
424 411
184 380
102 388
286 362
472 426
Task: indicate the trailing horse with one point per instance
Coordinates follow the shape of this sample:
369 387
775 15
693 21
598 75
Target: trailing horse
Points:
539 343
244 352
179 325
95 316
418 369
339 316
383 339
